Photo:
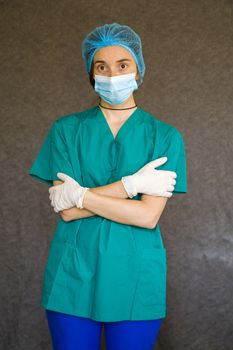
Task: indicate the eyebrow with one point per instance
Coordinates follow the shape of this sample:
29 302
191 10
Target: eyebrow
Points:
123 59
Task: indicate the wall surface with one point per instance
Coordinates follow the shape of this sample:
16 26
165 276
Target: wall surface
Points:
187 47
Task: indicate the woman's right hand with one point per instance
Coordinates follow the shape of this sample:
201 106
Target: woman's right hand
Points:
148 180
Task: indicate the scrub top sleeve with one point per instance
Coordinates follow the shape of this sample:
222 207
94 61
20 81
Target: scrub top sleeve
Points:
174 149
52 157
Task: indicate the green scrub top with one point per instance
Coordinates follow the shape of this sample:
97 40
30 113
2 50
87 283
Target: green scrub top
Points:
99 268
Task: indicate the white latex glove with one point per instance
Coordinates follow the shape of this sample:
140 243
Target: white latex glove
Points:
148 180
68 194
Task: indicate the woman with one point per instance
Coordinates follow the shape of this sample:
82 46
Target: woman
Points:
107 262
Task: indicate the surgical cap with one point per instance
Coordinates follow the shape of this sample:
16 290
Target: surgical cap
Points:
113 34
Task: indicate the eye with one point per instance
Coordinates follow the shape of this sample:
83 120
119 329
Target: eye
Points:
101 67
123 64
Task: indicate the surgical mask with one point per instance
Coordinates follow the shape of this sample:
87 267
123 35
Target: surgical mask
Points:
115 90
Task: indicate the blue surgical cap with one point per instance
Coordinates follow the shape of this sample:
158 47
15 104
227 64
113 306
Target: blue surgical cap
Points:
113 34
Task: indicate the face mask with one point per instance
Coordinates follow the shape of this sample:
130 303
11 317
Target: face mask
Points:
115 90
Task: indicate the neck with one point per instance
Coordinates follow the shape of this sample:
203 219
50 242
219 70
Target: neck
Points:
127 104
118 113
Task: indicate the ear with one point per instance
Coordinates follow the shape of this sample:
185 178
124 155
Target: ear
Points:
137 75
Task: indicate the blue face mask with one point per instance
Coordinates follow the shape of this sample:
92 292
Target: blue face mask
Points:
115 90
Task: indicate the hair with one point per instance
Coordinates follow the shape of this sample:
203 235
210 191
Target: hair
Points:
91 79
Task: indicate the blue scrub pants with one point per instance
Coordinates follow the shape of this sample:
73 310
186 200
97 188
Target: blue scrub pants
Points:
70 332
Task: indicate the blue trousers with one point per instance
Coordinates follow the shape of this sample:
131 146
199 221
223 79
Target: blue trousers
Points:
70 332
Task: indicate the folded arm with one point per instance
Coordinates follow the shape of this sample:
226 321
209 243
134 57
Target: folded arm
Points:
142 213
111 201
115 189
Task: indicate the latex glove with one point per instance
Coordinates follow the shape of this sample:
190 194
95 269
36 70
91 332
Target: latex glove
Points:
68 194
148 180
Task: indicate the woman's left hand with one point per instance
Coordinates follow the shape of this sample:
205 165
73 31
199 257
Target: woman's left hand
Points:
68 194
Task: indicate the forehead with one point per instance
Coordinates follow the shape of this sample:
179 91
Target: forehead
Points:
112 53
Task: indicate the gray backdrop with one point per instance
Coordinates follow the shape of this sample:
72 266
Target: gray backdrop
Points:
187 47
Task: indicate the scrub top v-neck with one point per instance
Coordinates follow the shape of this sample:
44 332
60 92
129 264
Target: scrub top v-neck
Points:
123 128
99 268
